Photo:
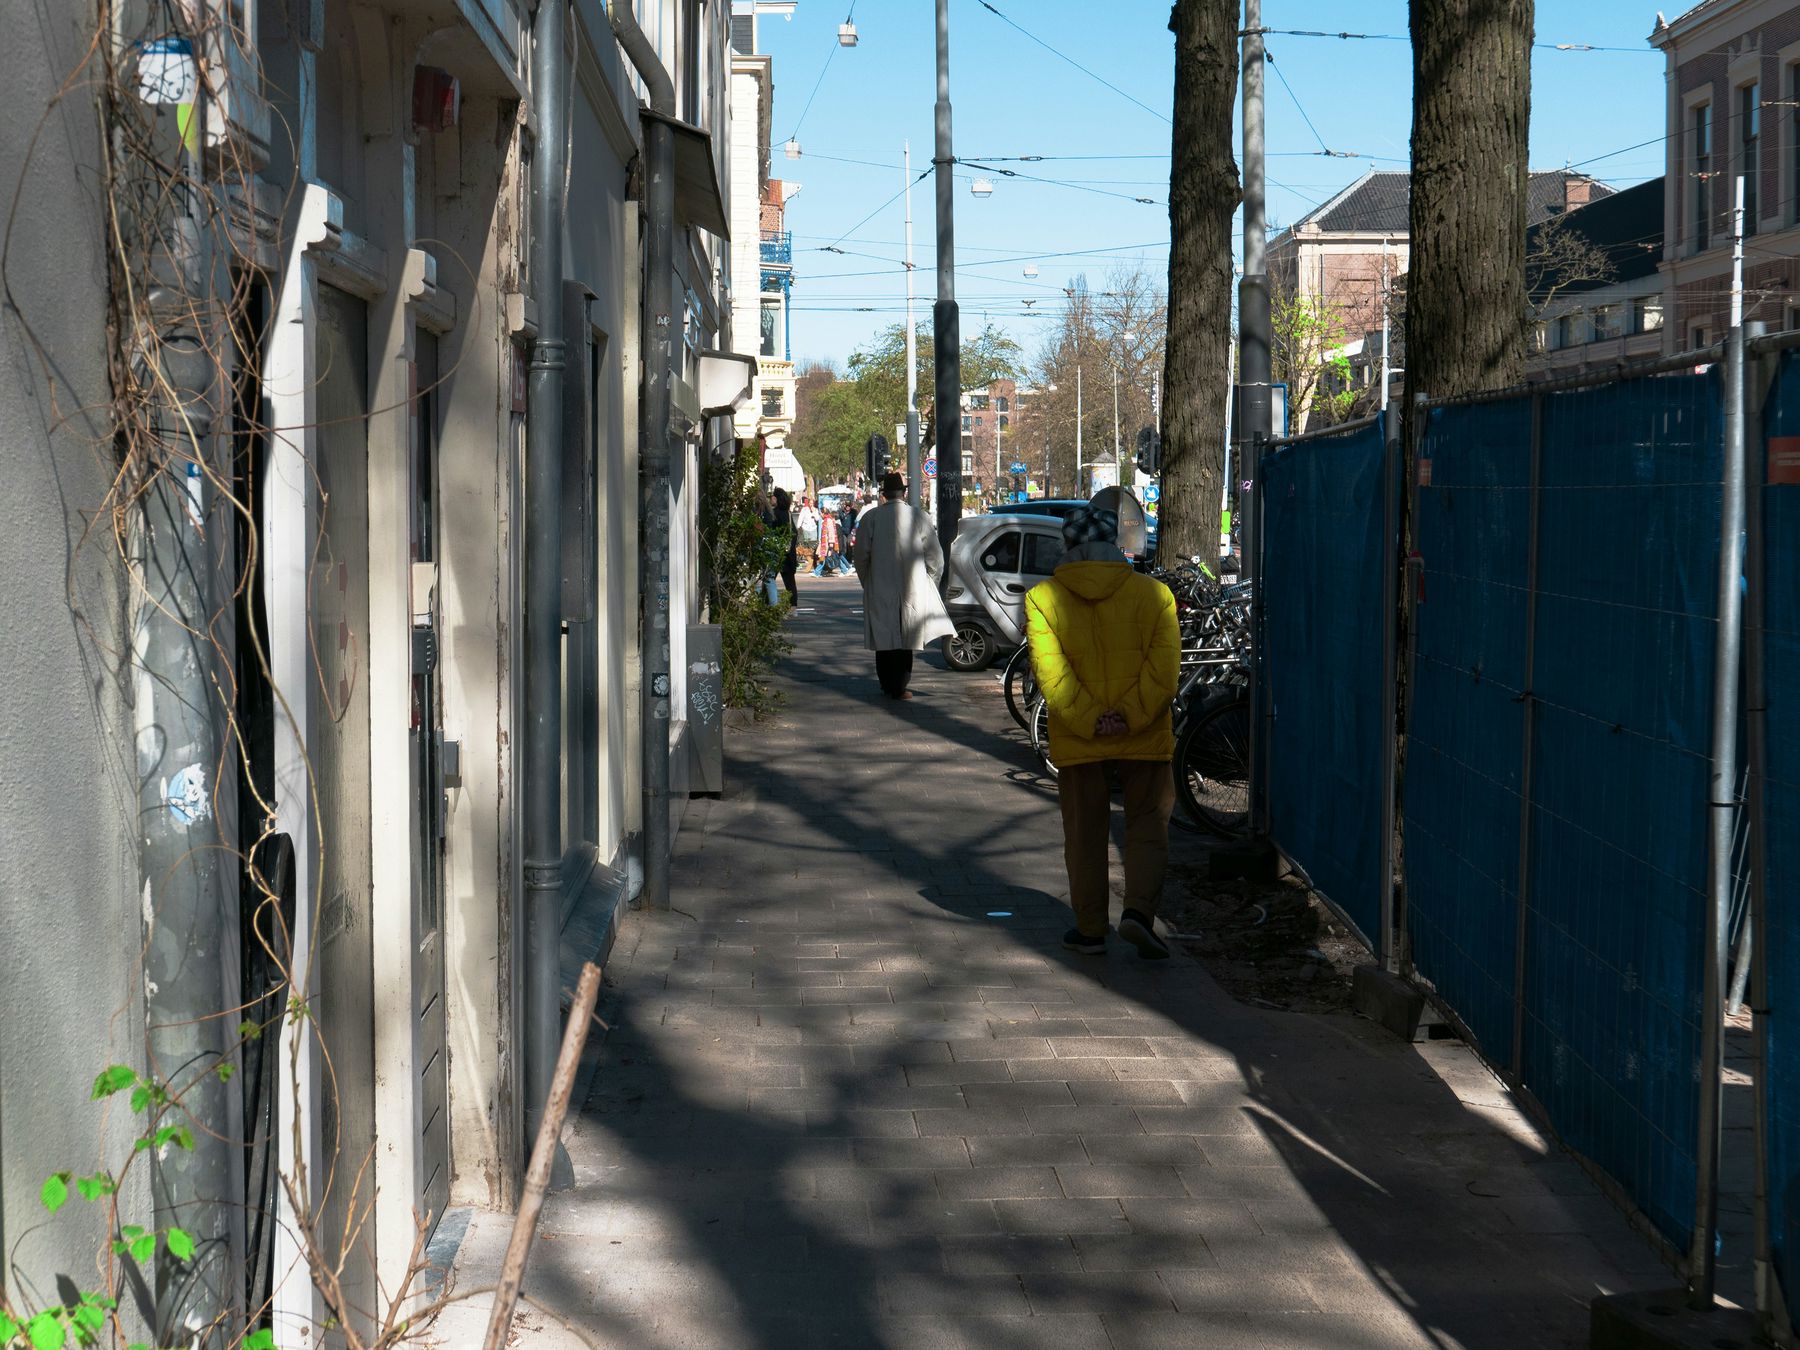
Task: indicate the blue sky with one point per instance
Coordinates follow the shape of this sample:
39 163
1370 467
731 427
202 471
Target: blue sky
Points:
1012 97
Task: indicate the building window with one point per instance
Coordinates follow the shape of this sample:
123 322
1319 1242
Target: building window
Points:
1000 403
1646 314
1702 176
968 422
772 402
1003 416
1697 337
1605 323
968 467
1749 162
771 315
1540 337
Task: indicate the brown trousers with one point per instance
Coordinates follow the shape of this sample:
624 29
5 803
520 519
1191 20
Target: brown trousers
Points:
1087 817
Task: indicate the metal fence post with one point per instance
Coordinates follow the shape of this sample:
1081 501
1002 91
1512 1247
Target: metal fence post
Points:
1522 890
1259 647
1392 557
1722 809
1761 371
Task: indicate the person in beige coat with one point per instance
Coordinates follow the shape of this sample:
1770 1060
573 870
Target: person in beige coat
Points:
899 563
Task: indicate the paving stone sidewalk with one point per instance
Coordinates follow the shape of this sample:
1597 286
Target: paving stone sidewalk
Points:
855 1094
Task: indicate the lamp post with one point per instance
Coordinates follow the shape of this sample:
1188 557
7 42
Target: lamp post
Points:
945 321
912 349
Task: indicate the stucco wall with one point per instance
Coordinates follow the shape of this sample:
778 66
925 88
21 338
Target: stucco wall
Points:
69 980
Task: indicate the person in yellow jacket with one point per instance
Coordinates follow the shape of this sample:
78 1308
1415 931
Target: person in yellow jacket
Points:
1106 651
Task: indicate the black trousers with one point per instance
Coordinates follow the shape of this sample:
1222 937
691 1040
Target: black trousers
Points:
788 567
894 670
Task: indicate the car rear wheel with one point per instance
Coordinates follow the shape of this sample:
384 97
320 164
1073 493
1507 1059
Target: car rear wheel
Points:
968 648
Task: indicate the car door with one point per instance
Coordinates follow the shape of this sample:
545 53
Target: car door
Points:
1002 582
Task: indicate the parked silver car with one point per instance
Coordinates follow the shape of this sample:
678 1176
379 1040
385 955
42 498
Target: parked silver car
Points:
994 560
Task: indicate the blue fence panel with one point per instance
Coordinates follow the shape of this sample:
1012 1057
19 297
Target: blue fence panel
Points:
1622 689
1323 565
1780 505
1466 722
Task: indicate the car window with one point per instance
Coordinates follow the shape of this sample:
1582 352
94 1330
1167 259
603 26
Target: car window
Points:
1002 553
1041 553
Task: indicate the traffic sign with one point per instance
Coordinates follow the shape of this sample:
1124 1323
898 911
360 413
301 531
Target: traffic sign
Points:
930 467
1018 467
1152 493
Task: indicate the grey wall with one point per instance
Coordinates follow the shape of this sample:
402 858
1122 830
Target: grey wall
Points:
69 929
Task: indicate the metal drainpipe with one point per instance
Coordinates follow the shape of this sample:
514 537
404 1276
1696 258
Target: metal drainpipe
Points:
543 569
190 941
654 416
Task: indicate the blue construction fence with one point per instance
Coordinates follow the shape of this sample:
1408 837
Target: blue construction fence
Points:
1775 649
1558 755
1560 604
1327 547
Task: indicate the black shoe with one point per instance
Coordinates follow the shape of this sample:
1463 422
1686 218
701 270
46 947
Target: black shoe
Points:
1077 941
1139 930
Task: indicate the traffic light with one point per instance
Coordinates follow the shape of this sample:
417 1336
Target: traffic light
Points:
877 456
1149 452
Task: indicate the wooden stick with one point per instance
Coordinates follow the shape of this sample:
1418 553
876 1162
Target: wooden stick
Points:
543 1153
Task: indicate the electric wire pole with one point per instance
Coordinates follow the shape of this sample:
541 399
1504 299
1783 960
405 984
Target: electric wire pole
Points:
945 321
1253 290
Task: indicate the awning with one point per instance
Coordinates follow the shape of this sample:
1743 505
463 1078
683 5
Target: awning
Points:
698 199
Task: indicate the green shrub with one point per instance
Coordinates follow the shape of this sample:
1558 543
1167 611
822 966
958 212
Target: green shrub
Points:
739 550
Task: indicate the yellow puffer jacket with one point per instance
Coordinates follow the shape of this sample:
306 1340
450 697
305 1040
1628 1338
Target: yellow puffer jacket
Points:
1105 639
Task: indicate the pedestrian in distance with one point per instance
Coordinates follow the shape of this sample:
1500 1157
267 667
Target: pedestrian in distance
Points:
782 518
899 563
829 555
1106 652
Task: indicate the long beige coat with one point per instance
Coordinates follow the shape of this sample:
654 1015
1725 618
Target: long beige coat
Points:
897 558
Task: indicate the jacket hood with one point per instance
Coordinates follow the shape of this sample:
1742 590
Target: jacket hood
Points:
1094 576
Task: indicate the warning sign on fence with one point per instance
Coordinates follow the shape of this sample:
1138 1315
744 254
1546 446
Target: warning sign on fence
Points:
1784 459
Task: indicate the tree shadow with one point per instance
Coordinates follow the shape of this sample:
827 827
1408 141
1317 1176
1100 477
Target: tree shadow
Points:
817 1119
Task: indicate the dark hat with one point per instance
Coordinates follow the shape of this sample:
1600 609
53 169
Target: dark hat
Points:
1089 525
892 485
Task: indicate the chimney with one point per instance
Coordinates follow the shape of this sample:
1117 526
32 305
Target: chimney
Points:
1578 190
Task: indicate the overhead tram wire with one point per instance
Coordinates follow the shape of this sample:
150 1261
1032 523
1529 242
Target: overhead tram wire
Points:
1399 37
1059 182
835 44
1062 56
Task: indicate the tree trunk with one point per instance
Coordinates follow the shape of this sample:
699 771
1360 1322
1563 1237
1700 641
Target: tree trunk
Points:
1203 195
1466 312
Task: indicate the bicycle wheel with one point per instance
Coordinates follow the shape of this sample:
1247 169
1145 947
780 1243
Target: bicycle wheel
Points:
1040 735
1212 769
1021 686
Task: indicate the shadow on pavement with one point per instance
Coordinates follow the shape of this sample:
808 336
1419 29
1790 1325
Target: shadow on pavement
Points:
856 1094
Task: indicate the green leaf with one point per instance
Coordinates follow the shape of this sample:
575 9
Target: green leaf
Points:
8 1328
46 1332
181 1244
55 1191
246 1030
259 1340
87 1318
140 1098
114 1078
92 1188
180 1135
225 1071
143 1248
